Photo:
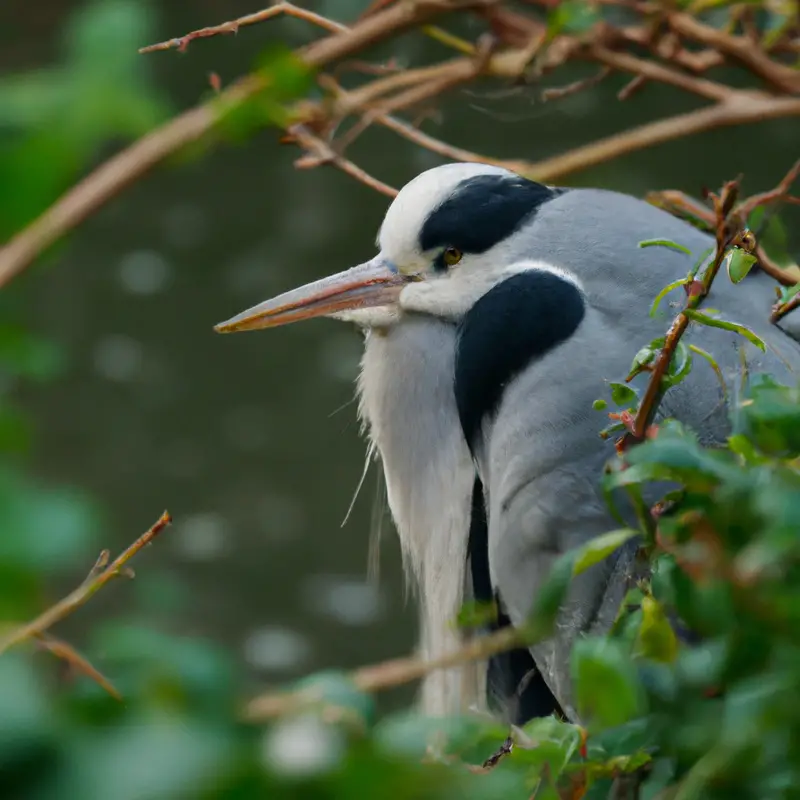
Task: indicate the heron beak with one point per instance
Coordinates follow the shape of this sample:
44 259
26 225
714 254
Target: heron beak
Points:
374 283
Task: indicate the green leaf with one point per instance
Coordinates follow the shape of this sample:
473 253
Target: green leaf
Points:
680 366
44 528
476 614
606 685
665 243
572 17
15 430
552 593
547 741
738 263
657 640
714 365
703 319
29 356
664 292
599 404
600 548
700 262
645 356
26 718
408 733
673 456
623 395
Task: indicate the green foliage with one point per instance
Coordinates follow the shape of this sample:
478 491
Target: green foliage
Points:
717 719
53 121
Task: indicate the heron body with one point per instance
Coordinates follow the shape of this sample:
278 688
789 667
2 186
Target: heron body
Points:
495 314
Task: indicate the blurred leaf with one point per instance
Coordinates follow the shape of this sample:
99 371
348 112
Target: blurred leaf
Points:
408 734
552 593
572 17
15 430
672 456
44 528
546 741
29 356
704 319
183 757
656 638
26 719
476 614
606 688
600 548
738 263
336 689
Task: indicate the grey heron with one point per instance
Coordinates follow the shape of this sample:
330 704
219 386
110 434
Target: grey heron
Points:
495 312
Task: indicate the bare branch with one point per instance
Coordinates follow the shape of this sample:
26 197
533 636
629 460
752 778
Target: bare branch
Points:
739 48
323 154
68 654
89 587
390 673
738 110
182 42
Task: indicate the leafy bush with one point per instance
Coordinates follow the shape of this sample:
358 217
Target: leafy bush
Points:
719 718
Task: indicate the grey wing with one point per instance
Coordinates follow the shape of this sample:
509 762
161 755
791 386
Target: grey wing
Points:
541 456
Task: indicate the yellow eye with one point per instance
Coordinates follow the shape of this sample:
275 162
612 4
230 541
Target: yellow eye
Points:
452 256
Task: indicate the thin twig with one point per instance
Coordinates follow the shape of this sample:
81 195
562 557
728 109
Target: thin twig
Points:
738 48
559 92
321 153
79 596
71 656
779 194
180 43
391 673
735 111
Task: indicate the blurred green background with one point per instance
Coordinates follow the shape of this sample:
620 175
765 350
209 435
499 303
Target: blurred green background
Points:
118 400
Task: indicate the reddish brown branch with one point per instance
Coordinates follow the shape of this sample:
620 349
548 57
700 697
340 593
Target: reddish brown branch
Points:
780 310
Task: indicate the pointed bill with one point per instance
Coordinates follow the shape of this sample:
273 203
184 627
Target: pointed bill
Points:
374 283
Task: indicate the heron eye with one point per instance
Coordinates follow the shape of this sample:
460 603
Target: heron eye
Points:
452 256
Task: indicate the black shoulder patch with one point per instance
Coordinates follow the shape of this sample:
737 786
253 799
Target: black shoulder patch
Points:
483 211
515 322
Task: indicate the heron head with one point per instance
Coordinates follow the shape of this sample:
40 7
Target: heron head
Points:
451 234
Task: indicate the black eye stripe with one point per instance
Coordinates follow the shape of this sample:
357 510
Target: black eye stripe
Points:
483 211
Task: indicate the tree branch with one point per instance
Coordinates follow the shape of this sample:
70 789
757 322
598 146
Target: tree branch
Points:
740 49
97 580
182 42
738 110
135 161
396 672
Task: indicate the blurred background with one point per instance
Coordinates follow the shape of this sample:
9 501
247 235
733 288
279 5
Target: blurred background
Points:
134 405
